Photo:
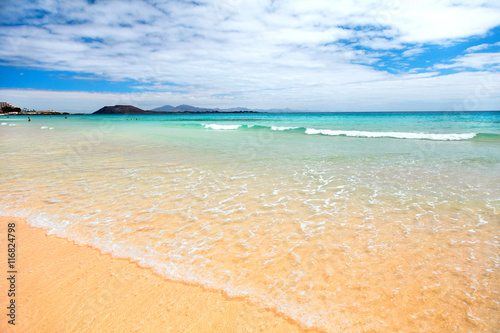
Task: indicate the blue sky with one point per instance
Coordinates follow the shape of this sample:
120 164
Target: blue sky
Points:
344 55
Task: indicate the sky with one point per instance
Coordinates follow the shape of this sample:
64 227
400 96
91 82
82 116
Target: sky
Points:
316 55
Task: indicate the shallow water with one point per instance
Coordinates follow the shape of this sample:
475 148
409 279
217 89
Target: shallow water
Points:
341 222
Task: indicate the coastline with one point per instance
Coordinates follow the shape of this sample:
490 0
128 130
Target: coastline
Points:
63 287
394 227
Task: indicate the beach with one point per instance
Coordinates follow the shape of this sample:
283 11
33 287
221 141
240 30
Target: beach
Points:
250 166
370 222
64 287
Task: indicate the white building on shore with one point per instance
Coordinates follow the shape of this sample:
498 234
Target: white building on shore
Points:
3 104
10 109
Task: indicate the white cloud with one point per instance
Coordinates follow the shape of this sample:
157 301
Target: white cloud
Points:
437 21
477 48
413 52
310 52
475 60
387 93
480 47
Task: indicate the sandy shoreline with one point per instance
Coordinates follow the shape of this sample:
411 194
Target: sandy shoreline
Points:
63 287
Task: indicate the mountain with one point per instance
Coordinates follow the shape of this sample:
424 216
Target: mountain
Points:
167 108
129 109
190 108
121 109
238 108
182 108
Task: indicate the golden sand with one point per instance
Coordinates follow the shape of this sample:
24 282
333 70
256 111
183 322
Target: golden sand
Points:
63 287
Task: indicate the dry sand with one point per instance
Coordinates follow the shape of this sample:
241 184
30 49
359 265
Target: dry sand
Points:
64 287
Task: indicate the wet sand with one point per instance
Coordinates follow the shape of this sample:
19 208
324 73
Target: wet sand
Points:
64 287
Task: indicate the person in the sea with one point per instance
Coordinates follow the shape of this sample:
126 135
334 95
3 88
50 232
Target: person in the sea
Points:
29 119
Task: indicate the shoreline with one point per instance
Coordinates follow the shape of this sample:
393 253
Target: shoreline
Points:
63 287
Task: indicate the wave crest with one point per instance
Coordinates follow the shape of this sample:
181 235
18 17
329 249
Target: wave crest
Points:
350 133
396 135
282 128
221 127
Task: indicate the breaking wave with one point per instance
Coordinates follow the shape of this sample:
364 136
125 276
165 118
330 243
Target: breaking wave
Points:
350 133
395 135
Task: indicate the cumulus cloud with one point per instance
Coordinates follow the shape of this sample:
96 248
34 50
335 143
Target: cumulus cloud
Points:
243 51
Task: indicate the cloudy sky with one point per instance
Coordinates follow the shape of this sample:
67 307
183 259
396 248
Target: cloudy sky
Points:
329 55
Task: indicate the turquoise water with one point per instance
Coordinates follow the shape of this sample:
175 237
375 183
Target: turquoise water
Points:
341 222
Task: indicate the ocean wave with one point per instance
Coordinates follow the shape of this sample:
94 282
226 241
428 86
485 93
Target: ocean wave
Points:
349 133
487 137
395 135
280 128
221 127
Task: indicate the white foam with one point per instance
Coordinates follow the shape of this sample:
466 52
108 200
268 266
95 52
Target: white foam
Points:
3 124
221 127
39 220
12 124
282 128
44 127
396 135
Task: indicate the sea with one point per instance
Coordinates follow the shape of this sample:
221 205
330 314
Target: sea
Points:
341 222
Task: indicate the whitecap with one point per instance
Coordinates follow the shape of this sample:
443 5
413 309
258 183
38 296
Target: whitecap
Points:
282 128
396 135
221 127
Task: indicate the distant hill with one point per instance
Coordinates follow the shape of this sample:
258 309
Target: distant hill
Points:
182 108
166 109
121 109
190 108
238 108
